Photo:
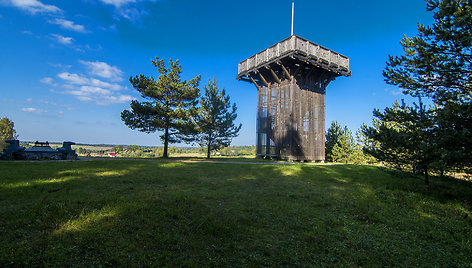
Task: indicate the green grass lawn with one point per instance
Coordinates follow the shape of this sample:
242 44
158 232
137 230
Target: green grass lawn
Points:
138 213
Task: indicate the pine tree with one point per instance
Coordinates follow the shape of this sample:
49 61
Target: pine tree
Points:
332 136
437 63
169 105
215 119
344 148
403 136
340 145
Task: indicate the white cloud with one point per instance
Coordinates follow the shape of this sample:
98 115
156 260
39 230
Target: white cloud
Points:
77 79
94 90
43 113
48 81
394 91
118 3
69 25
73 78
34 6
33 110
104 70
89 89
133 14
100 83
62 39
119 99
132 10
58 65
84 98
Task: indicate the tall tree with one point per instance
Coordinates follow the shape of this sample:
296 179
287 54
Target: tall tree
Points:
438 64
169 104
215 119
7 131
438 61
332 136
344 149
341 147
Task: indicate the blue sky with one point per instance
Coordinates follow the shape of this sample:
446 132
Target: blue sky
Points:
65 65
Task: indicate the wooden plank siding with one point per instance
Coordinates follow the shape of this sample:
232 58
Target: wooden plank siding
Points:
291 79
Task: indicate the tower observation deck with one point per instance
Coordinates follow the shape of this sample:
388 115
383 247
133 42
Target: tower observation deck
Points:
291 79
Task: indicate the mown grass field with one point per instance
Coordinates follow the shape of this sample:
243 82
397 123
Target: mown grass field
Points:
138 213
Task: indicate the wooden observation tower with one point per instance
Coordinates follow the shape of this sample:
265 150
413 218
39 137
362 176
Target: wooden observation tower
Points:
291 79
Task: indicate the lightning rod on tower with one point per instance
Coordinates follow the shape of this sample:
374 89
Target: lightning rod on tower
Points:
293 9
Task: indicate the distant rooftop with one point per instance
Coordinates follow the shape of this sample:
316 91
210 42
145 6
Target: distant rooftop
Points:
301 49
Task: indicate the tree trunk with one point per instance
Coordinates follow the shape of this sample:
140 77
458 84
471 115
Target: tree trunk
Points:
209 147
166 143
426 179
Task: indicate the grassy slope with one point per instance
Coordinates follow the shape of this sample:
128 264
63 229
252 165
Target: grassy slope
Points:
193 214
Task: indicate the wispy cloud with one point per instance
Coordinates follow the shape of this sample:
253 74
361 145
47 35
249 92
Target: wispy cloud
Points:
58 65
67 41
48 81
131 10
33 110
76 79
69 25
118 3
104 70
394 91
89 89
34 6
43 113
30 33
73 78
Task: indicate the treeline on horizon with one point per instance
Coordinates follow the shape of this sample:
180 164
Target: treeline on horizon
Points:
157 151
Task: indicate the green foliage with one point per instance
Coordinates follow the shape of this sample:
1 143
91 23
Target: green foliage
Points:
169 105
118 149
81 150
215 119
332 135
7 132
437 64
7 129
344 147
151 213
453 136
341 147
403 137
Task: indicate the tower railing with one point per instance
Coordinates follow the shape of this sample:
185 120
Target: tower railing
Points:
295 44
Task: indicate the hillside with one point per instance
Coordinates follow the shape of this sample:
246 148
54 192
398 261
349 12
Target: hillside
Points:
212 214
